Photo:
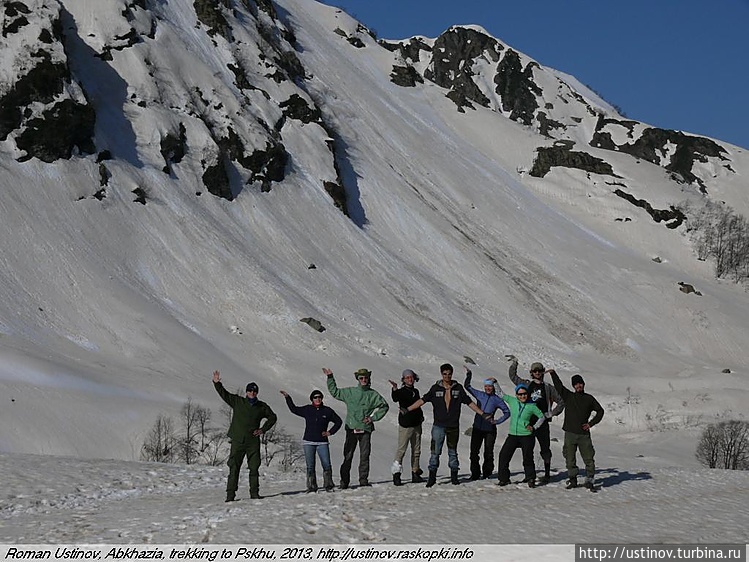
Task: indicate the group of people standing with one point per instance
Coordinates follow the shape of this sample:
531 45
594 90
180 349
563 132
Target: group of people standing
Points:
529 411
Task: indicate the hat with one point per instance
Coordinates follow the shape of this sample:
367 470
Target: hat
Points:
252 387
521 385
488 382
537 367
315 393
362 373
577 379
407 372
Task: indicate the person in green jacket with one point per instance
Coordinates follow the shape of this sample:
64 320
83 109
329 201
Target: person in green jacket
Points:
577 423
364 406
520 434
244 433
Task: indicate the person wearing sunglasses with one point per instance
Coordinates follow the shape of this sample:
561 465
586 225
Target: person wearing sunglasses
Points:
543 395
519 434
364 406
318 419
245 430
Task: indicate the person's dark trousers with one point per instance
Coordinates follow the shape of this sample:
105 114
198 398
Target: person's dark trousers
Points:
571 443
238 451
487 439
526 444
364 440
543 436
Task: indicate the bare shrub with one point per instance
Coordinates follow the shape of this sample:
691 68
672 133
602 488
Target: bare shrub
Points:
161 442
725 445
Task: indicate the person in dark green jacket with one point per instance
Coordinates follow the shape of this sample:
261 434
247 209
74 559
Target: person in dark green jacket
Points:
577 423
364 406
244 433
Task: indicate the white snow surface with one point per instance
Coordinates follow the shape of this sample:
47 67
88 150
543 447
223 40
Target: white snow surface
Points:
112 313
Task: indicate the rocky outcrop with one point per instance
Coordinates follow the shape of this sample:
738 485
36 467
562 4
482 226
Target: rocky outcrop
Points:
673 150
516 87
562 155
406 76
672 216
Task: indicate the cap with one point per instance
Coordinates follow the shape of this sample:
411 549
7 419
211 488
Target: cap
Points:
488 382
521 385
252 387
315 393
407 372
577 379
537 367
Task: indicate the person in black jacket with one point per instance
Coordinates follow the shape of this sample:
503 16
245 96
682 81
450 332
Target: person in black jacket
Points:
318 418
577 423
409 427
446 397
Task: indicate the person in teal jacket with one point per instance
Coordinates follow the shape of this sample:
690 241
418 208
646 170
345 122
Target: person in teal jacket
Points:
245 429
520 434
364 406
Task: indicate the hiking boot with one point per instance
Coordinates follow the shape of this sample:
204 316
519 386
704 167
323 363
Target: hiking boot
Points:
543 480
474 477
416 477
432 479
364 482
503 483
397 479
532 483
343 486
327 477
571 483
255 496
588 483
230 496
312 483
454 478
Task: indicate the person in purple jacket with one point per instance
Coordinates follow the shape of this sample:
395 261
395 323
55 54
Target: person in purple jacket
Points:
484 431
318 418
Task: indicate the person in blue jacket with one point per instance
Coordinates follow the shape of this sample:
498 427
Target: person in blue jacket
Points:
484 432
318 418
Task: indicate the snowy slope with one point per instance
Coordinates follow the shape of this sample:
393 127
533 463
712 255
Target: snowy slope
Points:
113 311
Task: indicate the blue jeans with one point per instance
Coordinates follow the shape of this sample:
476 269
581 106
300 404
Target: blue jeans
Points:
439 435
322 450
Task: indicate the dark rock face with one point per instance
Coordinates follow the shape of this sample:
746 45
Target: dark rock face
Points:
338 194
452 63
174 148
409 50
672 216
267 165
517 88
216 180
653 143
15 17
549 157
297 108
41 84
209 13
405 76
67 125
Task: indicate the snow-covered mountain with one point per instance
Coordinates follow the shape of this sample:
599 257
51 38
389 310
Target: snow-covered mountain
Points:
266 189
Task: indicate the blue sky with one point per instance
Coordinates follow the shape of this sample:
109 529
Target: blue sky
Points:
676 64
